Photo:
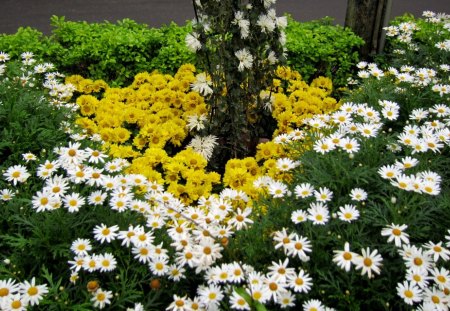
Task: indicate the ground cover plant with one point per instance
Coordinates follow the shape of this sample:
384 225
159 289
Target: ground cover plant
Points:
344 207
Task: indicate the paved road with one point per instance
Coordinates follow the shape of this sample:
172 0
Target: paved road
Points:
37 13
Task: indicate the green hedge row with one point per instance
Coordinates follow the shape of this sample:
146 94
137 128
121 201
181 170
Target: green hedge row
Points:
116 52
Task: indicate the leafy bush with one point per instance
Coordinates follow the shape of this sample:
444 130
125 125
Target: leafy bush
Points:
31 40
114 52
173 51
318 48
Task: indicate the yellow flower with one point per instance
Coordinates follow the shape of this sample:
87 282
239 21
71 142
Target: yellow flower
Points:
88 104
121 134
323 83
284 73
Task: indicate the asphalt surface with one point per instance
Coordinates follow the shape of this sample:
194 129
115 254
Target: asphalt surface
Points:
37 13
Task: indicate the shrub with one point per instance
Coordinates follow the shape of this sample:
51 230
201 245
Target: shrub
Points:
318 48
114 52
31 40
173 51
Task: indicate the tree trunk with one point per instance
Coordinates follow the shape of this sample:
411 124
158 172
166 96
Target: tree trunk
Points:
367 18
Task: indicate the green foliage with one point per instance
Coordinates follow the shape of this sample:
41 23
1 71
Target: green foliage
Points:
173 51
28 40
113 52
29 123
415 42
318 48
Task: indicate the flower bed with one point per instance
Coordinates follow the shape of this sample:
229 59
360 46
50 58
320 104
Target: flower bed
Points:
345 207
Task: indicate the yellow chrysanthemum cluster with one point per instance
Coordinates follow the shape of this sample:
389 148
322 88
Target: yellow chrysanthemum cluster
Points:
142 121
295 100
145 120
292 102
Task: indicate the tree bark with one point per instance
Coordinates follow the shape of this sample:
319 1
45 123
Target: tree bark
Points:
367 18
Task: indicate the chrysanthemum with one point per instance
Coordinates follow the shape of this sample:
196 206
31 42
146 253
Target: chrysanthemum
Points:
350 145
318 213
97 197
43 201
91 263
6 194
369 262
286 164
348 213
107 262
301 282
324 146
277 189
416 259
283 238
142 253
389 171
204 145
358 194
16 174
313 305
304 190
178 304
14 302
29 157
207 252
8 288
202 84
103 233
192 42
245 59
280 270
73 202
259 293
56 185
32 293
210 295
441 277
101 298
299 216
81 247
344 259
437 250
396 233
141 238
323 194
159 266
299 246
238 302
435 299
409 292
240 218
72 154
95 156
176 272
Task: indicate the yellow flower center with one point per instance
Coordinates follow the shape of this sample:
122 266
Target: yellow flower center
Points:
408 293
32 291
16 304
396 232
4 292
16 174
367 262
347 256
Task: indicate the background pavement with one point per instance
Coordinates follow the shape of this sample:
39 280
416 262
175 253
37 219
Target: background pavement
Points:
37 13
